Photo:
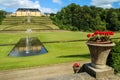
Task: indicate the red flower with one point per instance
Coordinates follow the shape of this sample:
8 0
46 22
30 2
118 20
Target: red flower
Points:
111 33
103 33
100 36
100 33
96 32
106 33
93 35
88 35
76 65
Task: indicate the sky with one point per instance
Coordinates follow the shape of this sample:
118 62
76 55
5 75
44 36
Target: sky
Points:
53 6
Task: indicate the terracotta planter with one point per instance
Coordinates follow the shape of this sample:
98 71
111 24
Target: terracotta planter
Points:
76 69
99 54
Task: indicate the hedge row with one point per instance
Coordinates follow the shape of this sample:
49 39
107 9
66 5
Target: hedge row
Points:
114 57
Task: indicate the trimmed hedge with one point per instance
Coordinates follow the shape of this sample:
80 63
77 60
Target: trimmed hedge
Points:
114 57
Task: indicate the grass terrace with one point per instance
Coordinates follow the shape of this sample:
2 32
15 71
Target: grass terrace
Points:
57 52
61 52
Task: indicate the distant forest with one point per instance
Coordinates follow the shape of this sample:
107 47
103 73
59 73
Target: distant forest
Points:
2 15
87 18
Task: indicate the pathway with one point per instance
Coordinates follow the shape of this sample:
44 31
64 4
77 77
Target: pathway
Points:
39 73
62 71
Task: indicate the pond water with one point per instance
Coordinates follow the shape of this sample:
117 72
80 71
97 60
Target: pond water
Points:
28 47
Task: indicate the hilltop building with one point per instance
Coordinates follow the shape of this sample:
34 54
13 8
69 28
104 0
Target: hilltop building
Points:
28 11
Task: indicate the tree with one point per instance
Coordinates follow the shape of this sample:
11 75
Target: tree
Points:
113 22
85 18
2 16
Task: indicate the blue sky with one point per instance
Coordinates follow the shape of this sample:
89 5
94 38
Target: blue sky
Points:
54 5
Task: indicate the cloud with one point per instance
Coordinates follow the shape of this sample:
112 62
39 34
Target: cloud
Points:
20 3
104 3
48 10
57 1
14 4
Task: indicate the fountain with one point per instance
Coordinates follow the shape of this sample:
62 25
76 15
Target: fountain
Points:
28 46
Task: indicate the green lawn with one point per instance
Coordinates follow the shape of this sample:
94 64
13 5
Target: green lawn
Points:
43 36
57 52
20 23
25 26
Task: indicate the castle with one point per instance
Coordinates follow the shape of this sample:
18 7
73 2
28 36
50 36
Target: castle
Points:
28 11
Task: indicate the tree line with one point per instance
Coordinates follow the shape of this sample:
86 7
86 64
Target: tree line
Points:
87 18
2 16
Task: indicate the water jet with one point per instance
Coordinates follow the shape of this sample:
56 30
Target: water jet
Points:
28 46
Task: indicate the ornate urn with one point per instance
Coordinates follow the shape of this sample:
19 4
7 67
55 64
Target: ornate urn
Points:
99 53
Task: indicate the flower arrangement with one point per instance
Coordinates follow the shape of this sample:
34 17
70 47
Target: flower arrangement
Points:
100 36
76 65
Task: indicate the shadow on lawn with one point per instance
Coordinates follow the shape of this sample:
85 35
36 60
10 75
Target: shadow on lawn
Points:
76 56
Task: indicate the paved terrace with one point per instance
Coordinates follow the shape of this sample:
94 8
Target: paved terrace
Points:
62 71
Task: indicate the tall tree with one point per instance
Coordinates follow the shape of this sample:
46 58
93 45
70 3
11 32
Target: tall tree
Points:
112 19
85 18
2 15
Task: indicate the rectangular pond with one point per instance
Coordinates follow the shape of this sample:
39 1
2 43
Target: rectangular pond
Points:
28 47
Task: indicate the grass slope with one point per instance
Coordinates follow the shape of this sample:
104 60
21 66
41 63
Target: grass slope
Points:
57 52
20 23
43 36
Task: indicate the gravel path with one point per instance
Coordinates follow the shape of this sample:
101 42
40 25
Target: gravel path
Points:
62 71
39 73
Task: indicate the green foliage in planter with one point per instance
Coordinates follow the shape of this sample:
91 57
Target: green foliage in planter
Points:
114 58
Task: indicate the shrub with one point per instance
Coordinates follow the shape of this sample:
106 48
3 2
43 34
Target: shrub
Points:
114 57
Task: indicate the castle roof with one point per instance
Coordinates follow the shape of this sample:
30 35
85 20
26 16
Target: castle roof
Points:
28 9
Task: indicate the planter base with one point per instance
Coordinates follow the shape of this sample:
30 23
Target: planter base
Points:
97 73
99 66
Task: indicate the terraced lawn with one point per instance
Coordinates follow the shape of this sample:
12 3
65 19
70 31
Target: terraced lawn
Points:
57 52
